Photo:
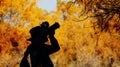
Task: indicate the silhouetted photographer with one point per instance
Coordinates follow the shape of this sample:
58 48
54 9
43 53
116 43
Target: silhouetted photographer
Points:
38 50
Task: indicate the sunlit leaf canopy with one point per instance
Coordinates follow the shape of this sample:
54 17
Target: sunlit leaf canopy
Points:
89 33
106 12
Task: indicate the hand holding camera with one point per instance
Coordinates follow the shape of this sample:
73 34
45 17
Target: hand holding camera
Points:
51 29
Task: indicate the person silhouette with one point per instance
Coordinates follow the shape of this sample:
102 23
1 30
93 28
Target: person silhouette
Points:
38 50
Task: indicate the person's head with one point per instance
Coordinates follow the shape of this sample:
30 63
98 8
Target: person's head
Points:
44 31
45 24
40 35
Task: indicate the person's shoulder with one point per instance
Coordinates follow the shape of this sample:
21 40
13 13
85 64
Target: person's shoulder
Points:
37 27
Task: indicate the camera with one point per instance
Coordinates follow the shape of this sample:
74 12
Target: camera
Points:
53 27
46 30
43 30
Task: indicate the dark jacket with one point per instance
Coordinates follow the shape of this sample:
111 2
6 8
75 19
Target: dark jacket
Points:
39 53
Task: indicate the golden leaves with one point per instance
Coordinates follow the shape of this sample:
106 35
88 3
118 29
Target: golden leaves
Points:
79 42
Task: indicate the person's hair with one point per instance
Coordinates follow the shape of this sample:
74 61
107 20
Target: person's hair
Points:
45 24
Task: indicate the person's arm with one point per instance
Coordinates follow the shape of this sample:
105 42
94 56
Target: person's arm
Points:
24 62
27 51
54 44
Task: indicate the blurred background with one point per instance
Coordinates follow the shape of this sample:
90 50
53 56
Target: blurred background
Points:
89 35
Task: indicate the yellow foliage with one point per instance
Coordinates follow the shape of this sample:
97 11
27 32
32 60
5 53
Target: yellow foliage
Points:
80 45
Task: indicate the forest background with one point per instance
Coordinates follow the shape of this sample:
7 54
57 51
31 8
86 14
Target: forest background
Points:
89 33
